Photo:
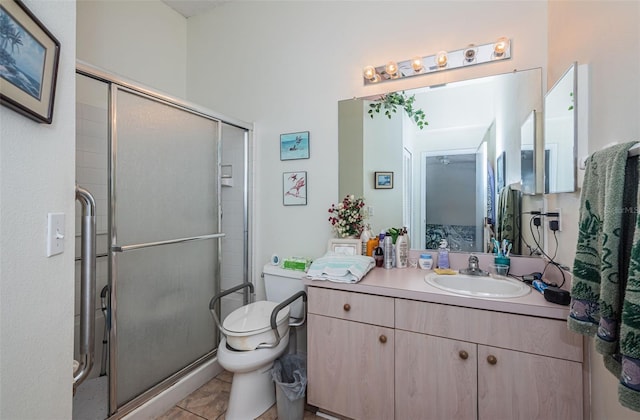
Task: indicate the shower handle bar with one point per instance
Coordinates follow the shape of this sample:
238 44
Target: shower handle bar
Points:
87 285
126 248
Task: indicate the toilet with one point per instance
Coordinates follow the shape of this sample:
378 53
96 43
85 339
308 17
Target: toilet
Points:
252 389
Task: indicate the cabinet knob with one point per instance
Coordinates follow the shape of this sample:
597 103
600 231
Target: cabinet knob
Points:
383 338
347 307
492 359
463 355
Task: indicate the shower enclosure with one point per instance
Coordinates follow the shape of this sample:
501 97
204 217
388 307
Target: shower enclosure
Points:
153 165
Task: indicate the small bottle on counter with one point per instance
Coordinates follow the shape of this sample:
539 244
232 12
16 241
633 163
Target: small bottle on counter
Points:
378 256
402 251
364 238
425 262
372 244
443 255
388 251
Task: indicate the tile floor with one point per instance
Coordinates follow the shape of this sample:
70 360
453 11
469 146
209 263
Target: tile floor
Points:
210 402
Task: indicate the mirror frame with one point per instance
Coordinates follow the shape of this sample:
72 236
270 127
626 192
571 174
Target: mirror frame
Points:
573 69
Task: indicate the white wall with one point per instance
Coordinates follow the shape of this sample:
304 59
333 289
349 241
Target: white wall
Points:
606 36
142 40
36 292
284 65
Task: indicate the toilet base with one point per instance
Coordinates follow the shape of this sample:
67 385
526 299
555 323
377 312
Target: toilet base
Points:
252 393
252 389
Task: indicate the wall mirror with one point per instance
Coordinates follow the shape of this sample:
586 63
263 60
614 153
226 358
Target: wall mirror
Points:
560 133
447 177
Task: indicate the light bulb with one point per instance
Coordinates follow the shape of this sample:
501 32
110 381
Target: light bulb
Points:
392 68
441 59
416 63
500 47
369 72
470 54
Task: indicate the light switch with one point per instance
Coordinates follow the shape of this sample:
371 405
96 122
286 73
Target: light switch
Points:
55 234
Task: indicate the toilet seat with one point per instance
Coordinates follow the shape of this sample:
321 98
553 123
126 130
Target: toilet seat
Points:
250 325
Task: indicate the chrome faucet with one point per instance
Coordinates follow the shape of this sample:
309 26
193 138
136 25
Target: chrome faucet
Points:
474 268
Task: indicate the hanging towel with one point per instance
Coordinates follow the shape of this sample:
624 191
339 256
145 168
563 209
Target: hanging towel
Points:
596 304
340 268
629 387
508 217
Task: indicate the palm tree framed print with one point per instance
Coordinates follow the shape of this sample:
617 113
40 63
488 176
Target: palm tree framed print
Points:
29 56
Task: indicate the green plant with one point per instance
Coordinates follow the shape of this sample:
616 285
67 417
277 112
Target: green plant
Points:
390 103
571 106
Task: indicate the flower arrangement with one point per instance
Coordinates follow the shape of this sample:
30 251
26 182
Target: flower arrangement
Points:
347 217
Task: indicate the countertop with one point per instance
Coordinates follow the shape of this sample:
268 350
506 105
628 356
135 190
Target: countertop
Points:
409 283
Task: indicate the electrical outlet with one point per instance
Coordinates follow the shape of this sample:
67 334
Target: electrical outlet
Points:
559 211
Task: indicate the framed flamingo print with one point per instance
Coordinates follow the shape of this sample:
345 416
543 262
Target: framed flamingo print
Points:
294 188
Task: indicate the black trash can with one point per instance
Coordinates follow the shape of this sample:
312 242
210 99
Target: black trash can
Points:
289 372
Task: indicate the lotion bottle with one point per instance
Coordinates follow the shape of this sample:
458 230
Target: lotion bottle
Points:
402 251
443 255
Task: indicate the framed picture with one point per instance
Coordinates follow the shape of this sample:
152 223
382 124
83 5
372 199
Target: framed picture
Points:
383 180
345 246
294 146
294 188
29 56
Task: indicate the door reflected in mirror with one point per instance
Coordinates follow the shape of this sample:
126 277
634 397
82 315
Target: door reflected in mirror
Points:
448 188
560 133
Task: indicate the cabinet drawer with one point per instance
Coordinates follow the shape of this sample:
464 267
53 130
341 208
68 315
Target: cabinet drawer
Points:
371 309
547 337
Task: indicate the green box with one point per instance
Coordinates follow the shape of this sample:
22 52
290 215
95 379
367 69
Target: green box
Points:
295 264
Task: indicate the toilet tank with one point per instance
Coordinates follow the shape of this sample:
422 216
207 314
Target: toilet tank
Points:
280 283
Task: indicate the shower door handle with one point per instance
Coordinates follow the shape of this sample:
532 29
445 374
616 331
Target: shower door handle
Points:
87 285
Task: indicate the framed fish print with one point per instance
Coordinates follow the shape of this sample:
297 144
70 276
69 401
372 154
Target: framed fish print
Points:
294 146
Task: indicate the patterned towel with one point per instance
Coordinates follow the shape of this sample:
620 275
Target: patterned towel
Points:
629 387
596 304
508 223
340 268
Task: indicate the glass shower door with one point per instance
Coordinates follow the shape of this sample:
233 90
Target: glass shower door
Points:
164 240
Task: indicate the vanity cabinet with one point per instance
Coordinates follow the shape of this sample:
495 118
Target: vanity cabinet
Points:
479 364
438 361
350 353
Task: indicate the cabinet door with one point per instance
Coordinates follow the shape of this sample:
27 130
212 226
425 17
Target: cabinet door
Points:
350 368
435 377
514 385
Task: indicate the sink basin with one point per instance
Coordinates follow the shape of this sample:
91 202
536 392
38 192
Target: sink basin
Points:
478 286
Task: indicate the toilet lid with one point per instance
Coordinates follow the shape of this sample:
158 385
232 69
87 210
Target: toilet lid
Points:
254 317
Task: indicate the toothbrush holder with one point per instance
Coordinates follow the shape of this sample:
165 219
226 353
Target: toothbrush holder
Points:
502 260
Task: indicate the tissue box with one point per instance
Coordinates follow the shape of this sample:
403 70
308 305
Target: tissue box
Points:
295 263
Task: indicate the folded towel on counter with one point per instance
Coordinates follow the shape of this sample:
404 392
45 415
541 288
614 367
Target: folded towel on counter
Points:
340 268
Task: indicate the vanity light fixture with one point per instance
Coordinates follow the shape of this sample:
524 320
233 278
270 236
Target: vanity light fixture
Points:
443 60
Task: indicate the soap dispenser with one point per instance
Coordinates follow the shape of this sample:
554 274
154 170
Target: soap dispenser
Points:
443 255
